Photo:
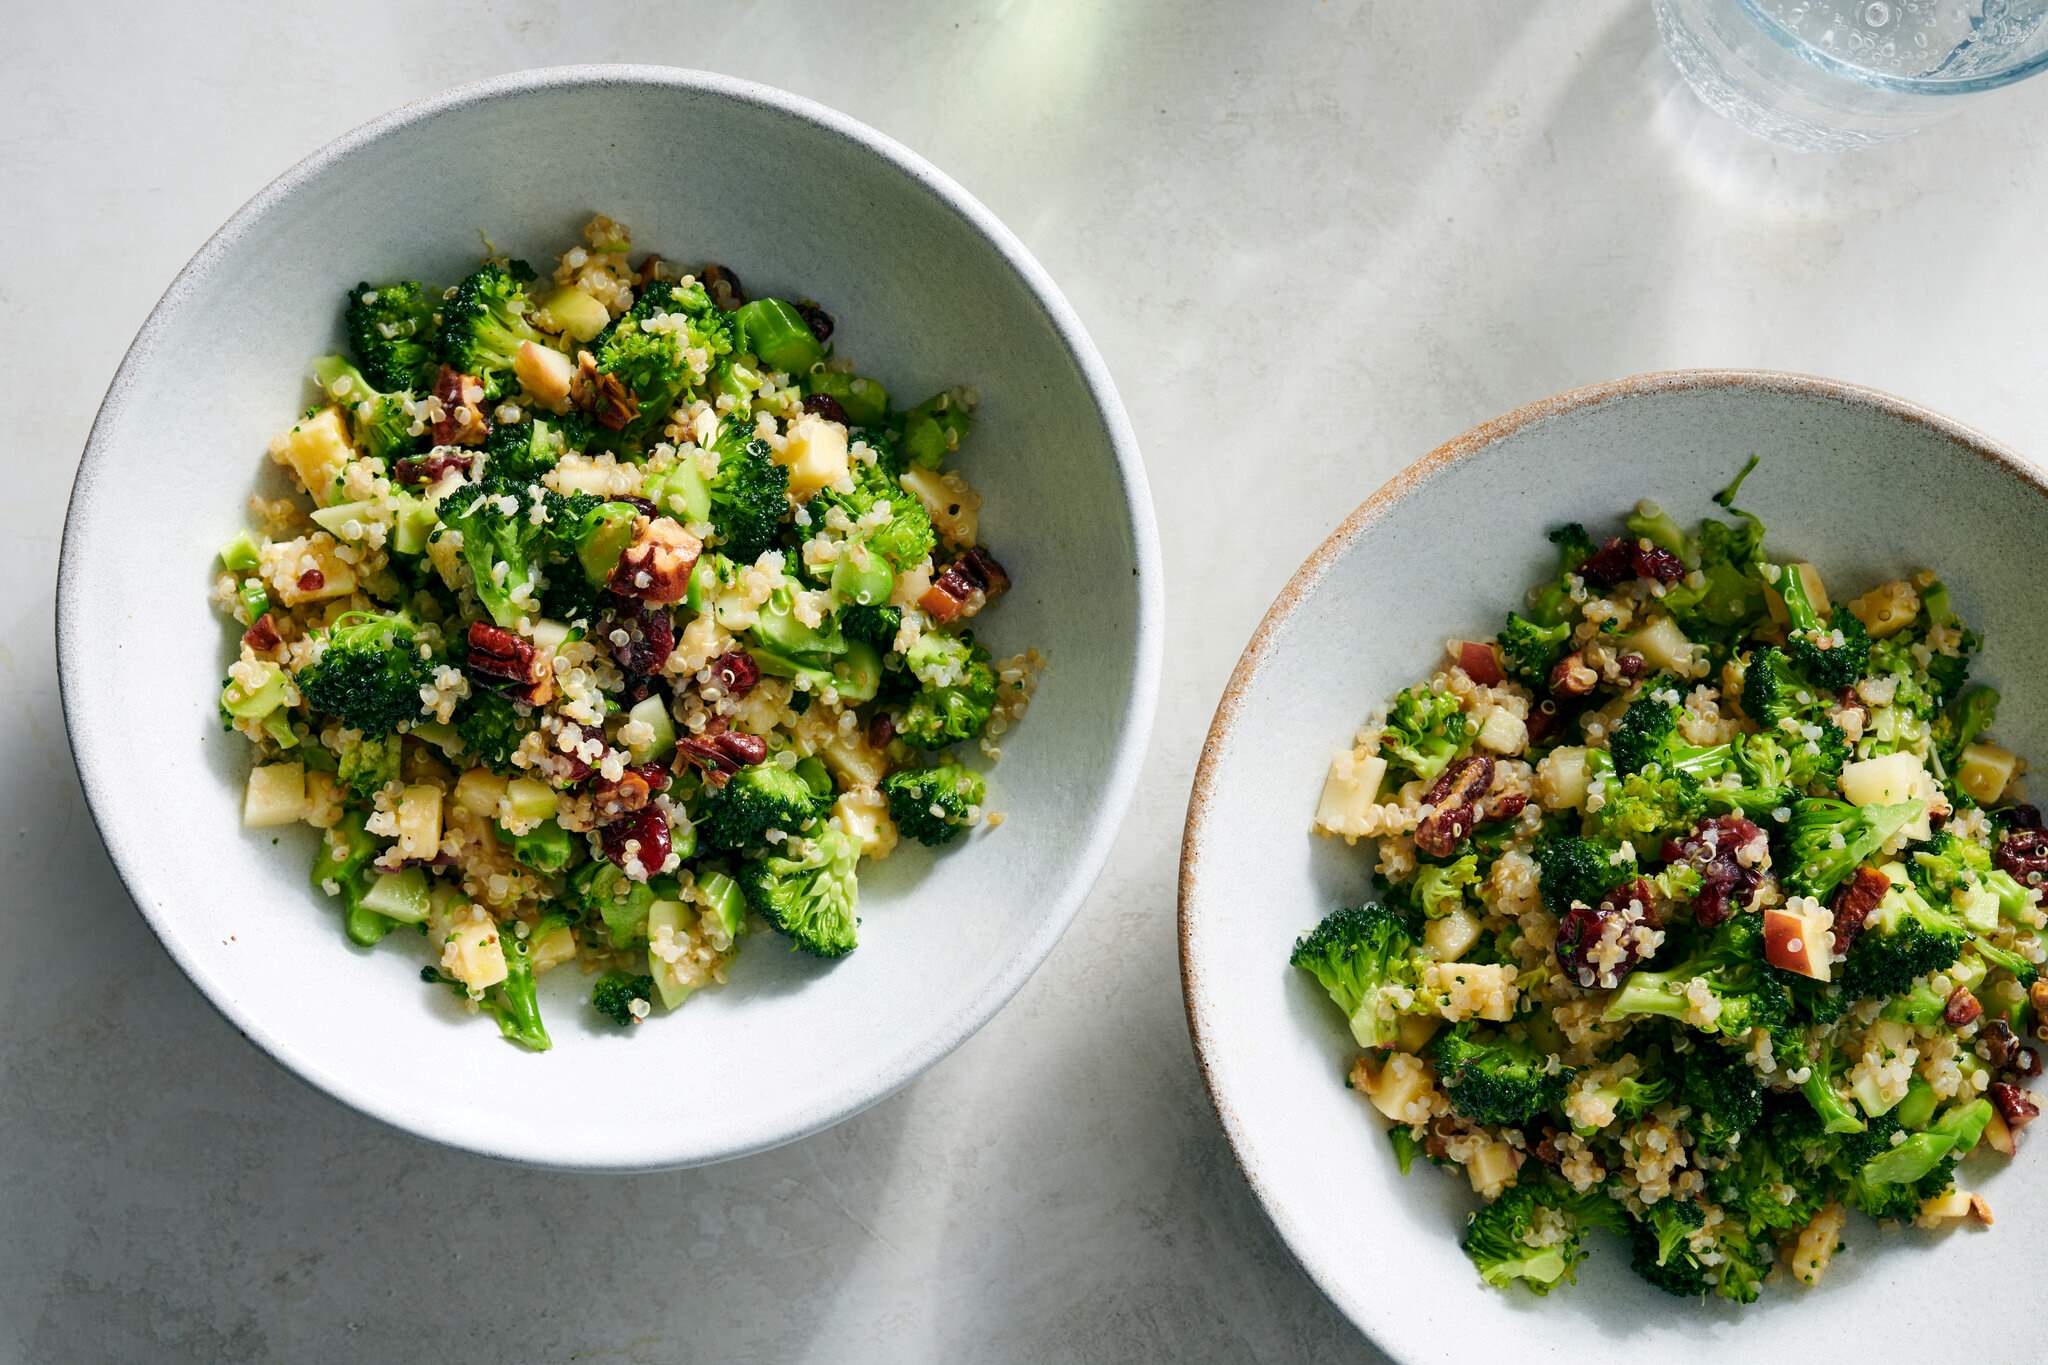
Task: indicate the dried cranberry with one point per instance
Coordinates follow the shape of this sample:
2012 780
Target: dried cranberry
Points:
826 406
312 580
562 767
1623 558
642 505
1631 666
720 756
815 318
1506 806
423 470
1854 901
1726 882
2020 817
881 729
639 843
735 672
1542 720
1623 917
650 637
724 287
2024 854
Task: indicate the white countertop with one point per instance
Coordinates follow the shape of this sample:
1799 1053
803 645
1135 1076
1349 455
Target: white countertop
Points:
1313 240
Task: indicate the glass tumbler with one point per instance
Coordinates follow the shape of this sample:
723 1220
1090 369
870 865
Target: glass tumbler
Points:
1834 75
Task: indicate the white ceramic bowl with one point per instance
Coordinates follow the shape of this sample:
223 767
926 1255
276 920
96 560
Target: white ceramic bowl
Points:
1864 484
928 289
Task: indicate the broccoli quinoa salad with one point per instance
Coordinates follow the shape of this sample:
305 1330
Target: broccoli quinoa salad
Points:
614 620
1706 912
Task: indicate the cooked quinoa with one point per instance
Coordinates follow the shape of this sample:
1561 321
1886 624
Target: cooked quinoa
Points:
613 619
1708 912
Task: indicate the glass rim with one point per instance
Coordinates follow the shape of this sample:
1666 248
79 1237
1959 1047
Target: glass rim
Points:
1919 85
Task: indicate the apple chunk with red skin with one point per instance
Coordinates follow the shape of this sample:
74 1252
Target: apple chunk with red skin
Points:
1799 941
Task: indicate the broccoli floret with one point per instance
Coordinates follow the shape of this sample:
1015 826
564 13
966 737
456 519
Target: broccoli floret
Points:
1425 730
490 728
513 1002
1811 642
1439 888
546 847
872 625
956 691
1530 650
1629 1096
484 324
1502 1238
2023 970
1725 1094
1661 1250
381 423
369 674
1820 860
1817 759
391 330
1828 1110
1646 806
1647 736
1496 1079
1773 693
1946 864
1552 604
754 800
1769 1194
1359 954
1891 1179
749 493
1972 714
808 891
1730 591
1574 871
523 451
614 993
650 350
1903 939
905 539
1745 992
365 766
931 805
498 528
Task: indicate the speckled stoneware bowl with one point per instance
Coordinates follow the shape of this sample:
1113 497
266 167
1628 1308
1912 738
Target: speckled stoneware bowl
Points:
1864 484
928 289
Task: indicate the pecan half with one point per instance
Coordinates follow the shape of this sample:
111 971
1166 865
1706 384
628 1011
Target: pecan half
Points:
609 402
1853 903
723 286
1454 800
263 637
1572 677
420 471
462 421
718 757
656 567
2015 1105
2024 854
735 672
641 638
1962 1007
1716 847
509 661
634 788
964 587
639 843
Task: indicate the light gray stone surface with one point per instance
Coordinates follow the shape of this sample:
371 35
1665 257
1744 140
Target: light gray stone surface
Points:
1312 239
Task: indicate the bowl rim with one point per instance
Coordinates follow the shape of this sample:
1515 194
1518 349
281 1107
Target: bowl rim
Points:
1376 1325
1068 887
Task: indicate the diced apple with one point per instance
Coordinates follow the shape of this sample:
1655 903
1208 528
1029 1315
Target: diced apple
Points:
816 454
1350 789
1449 935
419 821
1943 1208
527 802
1561 779
1491 1167
317 450
1882 781
479 790
1503 732
553 948
1816 593
1402 1081
475 954
323 800
1887 608
863 816
576 312
1663 644
853 760
1412 1032
544 371
276 795
955 509
444 552
1998 1136
1799 941
1985 771
1481 662
293 583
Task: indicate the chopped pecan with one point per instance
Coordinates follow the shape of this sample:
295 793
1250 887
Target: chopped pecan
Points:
1961 1008
610 403
420 471
1728 851
2015 1105
1544 1149
639 843
2024 854
2000 1044
634 788
735 672
656 567
1454 803
964 587
723 286
815 318
1853 903
641 638
1598 945
1624 558
262 636
1571 677
462 421
720 756
510 661
826 406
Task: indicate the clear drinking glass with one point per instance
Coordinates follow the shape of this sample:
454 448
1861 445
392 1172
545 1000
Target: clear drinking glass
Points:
1833 75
